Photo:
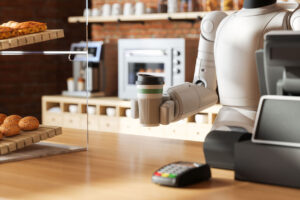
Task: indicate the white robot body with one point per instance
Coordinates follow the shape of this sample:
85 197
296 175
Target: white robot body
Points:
237 39
226 58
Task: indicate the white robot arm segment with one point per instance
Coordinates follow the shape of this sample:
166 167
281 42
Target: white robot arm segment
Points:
187 99
295 19
205 72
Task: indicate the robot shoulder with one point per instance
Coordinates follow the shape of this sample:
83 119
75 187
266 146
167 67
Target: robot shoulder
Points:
210 24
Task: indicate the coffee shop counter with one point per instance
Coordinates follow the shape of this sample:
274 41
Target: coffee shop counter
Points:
119 166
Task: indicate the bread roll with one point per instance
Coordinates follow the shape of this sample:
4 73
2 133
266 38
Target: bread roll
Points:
9 129
2 118
12 119
29 123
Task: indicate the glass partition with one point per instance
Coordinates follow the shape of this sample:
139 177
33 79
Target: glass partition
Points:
48 72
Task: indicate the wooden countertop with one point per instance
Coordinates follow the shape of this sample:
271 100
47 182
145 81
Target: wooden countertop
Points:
120 167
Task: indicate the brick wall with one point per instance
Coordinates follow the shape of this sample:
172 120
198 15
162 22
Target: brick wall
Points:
24 79
111 32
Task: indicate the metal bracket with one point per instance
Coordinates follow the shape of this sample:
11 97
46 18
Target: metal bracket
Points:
133 22
199 18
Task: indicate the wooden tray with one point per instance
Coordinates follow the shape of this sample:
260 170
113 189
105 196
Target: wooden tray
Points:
26 138
31 39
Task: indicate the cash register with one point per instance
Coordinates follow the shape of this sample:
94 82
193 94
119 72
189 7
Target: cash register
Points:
278 64
272 156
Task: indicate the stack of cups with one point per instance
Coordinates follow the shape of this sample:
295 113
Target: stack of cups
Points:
128 9
139 8
106 10
172 6
116 9
150 89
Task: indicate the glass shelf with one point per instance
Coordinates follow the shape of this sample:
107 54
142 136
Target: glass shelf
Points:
39 64
141 18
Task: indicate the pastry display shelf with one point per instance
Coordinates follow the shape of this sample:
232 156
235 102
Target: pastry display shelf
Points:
31 39
56 111
26 138
188 16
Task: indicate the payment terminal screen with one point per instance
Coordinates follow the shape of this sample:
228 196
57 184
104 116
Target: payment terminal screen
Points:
279 121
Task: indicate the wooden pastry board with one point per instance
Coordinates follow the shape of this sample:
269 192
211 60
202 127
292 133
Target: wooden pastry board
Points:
26 138
39 150
31 39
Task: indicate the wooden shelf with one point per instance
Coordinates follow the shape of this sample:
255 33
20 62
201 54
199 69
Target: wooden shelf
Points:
140 18
31 39
186 129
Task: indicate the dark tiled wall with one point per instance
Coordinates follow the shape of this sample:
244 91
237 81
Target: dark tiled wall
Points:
24 79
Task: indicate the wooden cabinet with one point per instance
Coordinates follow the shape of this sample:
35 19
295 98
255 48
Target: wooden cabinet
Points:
109 115
71 120
109 124
53 119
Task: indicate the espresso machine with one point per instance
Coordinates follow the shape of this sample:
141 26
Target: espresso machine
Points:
86 75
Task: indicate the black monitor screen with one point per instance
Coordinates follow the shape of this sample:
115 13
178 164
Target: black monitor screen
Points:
279 121
285 53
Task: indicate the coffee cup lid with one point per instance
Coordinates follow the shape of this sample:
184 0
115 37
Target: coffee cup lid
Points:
146 79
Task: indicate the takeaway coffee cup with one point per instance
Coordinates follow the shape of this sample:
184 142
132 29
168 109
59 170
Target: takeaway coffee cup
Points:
150 89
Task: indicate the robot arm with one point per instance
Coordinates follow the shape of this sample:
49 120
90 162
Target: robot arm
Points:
295 19
189 98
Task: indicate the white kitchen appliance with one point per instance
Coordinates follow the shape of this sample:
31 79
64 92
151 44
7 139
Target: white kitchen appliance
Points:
86 70
173 59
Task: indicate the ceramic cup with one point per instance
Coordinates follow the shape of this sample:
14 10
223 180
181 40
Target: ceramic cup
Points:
150 10
91 110
116 9
70 84
86 12
201 119
172 6
128 112
128 9
106 10
111 112
96 12
73 108
139 8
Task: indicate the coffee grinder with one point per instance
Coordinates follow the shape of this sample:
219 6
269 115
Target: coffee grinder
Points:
86 76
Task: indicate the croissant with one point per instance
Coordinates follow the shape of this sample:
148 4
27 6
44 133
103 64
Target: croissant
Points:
30 27
6 32
12 28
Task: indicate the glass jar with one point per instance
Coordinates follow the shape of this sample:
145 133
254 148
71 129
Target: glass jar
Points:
238 4
81 84
162 6
211 5
188 5
227 5
200 4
